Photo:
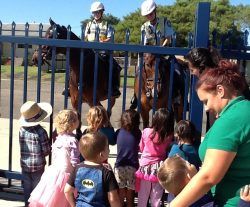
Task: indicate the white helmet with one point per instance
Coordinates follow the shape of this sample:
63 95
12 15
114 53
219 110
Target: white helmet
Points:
147 7
96 6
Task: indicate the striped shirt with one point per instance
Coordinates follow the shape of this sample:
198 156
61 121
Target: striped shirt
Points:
34 146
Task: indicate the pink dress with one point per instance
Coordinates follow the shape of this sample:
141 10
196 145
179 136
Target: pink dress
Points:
152 156
50 190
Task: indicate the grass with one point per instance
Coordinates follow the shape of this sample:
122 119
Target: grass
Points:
46 76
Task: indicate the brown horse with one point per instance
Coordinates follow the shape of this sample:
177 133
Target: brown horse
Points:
88 69
162 88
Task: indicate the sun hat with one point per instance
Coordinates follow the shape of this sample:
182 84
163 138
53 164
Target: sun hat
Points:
33 113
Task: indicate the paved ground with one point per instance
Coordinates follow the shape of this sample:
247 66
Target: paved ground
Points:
15 200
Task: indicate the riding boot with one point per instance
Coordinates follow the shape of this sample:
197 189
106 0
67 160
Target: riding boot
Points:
133 102
64 92
116 82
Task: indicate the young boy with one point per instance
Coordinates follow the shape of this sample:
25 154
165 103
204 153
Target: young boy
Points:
96 185
175 173
34 144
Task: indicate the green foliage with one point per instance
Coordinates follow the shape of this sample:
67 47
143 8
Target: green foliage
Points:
4 60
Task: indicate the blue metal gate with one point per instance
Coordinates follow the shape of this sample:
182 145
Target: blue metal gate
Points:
200 39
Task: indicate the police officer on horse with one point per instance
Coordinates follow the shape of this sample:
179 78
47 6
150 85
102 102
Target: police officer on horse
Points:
151 27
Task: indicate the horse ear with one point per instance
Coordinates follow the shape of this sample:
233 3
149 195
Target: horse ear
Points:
52 23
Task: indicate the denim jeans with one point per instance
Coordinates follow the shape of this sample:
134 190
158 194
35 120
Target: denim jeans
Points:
30 181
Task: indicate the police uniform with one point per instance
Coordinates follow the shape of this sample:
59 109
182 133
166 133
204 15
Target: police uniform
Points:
105 32
162 25
91 29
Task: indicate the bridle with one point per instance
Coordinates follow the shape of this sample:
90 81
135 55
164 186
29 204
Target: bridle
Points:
149 81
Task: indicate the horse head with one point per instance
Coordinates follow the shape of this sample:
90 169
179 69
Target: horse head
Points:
149 75
55 31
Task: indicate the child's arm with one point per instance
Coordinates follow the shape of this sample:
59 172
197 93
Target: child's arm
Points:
114 199
245 196
69 194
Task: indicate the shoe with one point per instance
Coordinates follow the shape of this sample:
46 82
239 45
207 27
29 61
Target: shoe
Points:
133 102
64 92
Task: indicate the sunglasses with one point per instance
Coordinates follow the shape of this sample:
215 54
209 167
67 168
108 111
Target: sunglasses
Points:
96 12
150 14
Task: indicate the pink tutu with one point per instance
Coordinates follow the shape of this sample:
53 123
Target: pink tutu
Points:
147 172
50 190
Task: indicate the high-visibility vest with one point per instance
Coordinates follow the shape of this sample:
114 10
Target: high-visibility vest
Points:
91 28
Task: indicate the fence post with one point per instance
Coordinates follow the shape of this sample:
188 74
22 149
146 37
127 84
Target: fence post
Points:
201 40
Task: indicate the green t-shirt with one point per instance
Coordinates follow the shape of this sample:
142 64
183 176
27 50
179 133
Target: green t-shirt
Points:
231 133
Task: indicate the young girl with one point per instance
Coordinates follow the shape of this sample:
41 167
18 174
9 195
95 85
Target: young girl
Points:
65 155
154 143
97 119
185 148
127 162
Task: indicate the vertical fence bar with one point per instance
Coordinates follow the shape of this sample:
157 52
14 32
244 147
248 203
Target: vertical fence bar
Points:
140 73
171 83
158 36
39 72
66 85
111 68
81 75
25 78
201 40
125 75
96 68
12 71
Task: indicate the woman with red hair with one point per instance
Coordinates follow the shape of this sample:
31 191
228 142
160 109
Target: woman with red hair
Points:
225 150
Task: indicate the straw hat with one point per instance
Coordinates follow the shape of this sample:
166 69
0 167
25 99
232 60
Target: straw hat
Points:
33 113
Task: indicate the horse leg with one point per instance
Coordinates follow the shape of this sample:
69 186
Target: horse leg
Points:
178 111
145 117
112 102
74 97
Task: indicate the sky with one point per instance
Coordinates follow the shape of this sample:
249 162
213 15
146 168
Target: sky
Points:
69 12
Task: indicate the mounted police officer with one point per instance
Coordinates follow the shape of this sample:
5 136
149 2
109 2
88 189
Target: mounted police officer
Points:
154 24
151 27
97 10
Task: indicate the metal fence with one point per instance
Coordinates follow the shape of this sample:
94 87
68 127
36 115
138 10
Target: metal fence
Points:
199 39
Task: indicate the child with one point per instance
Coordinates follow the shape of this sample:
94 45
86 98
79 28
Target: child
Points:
97 119
95 184
34 144
127 162
185 148
65 155
175 173
154 143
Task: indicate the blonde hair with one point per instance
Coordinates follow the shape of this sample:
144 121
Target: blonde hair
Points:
66 121
97 117
172 174
91 144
